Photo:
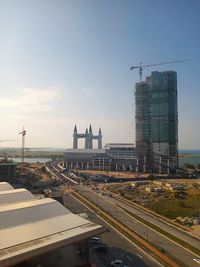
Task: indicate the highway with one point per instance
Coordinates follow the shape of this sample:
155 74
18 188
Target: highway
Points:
118 246
110 205
158 222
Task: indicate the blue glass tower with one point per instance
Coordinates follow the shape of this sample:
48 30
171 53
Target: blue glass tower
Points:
157 122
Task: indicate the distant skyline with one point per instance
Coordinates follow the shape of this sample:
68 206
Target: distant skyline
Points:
68 62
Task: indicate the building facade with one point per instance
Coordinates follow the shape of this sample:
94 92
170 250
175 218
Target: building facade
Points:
156 119
88 136
123 156
116 157
87 159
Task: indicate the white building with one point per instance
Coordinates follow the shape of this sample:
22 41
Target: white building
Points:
38 230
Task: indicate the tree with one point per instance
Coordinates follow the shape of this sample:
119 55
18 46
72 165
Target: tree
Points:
189 166
151 177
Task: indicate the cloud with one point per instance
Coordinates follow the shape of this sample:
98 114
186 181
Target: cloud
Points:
31 99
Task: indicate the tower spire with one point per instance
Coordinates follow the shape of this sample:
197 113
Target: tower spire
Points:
75 138
100 139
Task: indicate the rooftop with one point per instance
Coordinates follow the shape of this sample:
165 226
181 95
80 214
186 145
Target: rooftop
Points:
30 227
5 186
15 195
119 145
85 151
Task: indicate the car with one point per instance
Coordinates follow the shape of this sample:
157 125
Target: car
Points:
95 240
47 192
116 263
197 260
101 248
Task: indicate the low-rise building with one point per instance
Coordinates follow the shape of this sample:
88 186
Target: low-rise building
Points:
123 156
139 183
115 157
88 159
41 231
175 187
158 190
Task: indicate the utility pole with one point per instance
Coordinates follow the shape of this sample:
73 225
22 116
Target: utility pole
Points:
23 133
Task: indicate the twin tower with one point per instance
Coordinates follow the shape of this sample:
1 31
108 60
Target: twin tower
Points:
89 137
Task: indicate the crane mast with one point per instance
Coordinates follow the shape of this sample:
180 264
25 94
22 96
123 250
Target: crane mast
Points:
23 133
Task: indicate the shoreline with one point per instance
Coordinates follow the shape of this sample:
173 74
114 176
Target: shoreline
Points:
189 155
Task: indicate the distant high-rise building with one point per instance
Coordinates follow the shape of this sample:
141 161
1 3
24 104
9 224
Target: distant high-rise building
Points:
157 122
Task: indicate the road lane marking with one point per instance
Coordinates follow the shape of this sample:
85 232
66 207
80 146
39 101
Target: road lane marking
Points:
151 229
139 255
149 256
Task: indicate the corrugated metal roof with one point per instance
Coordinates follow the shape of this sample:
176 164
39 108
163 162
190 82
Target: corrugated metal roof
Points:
37 226
26 221
15 195
5 186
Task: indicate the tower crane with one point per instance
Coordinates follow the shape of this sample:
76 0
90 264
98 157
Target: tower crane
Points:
140 67
23 133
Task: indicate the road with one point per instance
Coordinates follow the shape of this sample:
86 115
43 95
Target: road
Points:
118 246
109 204
160 223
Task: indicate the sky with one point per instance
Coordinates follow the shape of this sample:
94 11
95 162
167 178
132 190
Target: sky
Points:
67 62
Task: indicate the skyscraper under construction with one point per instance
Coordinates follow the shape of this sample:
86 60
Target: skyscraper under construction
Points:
157 122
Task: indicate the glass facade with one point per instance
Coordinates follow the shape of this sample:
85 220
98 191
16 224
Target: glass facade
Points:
157 121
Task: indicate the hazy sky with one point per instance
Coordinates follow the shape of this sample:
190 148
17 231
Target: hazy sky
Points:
67 61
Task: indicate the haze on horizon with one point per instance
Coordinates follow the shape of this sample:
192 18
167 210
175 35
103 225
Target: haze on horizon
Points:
67 62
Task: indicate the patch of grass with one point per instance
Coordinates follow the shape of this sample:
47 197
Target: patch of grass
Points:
173 208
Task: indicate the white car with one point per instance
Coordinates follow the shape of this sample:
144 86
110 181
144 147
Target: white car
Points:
197 260
117 263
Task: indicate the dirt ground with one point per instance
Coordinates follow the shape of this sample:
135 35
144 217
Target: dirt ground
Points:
114 174
35 169
183 181
195 230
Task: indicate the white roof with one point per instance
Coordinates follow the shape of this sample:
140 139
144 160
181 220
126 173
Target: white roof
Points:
120 145
15 195
5 186
87 150
39 226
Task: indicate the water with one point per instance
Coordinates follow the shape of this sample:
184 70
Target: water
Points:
182 160
189 151
32 160
189 158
